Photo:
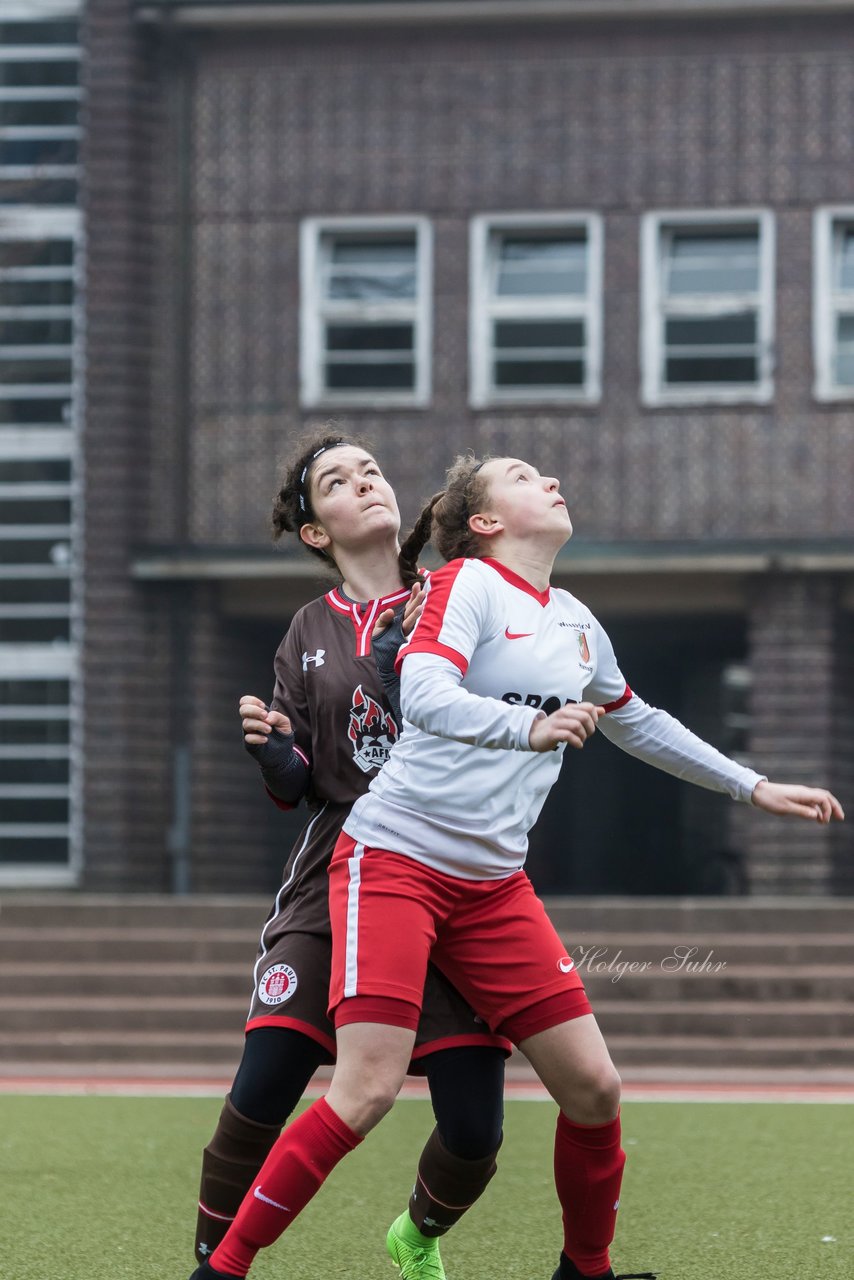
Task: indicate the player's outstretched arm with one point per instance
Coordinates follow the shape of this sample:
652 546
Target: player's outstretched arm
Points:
793 801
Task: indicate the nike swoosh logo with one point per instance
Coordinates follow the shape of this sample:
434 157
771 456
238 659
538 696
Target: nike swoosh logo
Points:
258 1196
565 966
516 635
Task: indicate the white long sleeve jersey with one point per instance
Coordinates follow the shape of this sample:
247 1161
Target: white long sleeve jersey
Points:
462 788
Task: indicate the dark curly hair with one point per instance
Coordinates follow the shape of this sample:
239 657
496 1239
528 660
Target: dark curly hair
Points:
293 505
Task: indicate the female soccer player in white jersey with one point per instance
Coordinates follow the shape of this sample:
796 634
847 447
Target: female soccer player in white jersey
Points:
327 733
500 673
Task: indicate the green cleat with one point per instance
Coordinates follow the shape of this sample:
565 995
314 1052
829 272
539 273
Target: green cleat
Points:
416 1255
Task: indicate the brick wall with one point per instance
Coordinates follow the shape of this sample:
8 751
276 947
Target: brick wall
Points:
239 839
126 643
799 723
448 124
841 762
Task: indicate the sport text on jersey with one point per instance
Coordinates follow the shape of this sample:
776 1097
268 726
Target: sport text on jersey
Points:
543 702
372 731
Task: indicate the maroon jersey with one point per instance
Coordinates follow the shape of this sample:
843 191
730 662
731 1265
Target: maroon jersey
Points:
328 686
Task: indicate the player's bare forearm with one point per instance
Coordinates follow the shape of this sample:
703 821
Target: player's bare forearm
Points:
792 801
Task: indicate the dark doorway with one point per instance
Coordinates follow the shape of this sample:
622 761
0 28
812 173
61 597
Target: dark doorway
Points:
614 825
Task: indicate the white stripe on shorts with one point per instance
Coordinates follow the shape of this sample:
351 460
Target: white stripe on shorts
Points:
277 905
351 954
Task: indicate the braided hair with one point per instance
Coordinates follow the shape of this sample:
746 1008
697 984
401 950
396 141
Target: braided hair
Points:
444 521
414 543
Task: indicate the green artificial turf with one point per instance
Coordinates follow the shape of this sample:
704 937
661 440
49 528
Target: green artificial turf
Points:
104 1189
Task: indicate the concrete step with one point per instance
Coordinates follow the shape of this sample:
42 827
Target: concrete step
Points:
152 1053
687 916
693 916
107 946
198 1078
142 1048
129 911
116 1015
129 980
593 954
701 953
714 1052
152 983
736 982
726 1019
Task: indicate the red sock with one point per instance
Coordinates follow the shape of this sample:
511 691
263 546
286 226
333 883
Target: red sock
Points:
295 1169
588 1172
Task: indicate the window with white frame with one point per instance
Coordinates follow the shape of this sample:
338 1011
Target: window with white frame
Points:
535 308
707 307
366 318
39 104
833 303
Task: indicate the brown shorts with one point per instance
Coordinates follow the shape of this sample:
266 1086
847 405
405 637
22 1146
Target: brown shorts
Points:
292 990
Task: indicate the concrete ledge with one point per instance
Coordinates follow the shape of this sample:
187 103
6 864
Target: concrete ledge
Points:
707 556
291 13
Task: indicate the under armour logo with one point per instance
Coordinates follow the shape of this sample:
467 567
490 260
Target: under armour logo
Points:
316 658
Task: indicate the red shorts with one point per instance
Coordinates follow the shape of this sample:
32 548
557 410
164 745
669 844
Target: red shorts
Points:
491 938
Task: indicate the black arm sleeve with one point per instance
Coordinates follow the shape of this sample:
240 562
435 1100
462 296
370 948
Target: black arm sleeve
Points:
284 771
384 648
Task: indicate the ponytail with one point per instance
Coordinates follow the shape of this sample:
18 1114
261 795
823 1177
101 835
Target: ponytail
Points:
415 542
445 519
465 492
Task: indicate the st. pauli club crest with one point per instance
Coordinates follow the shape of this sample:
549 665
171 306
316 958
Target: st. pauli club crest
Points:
278 984
371 730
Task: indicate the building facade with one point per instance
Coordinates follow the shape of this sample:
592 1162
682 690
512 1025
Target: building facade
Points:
41 384
614 239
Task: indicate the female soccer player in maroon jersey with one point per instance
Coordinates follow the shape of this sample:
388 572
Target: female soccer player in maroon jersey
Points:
327 733
500 673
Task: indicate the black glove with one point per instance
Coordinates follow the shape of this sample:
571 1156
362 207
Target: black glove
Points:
284 771
384 648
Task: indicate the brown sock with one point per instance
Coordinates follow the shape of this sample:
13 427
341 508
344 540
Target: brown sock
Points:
446 1186
230 1162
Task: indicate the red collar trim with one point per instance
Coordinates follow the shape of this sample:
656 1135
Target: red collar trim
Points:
337 601
334 601
395 598
516 581
363 616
